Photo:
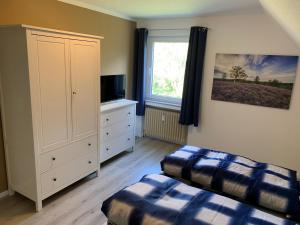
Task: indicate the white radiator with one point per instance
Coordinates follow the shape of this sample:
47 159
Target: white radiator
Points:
163 124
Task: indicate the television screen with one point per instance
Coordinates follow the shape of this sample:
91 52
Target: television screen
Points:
112 87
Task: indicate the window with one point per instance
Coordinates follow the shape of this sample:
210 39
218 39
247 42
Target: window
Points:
166 67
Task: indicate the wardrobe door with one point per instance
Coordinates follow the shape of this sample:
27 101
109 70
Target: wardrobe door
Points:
53 91
85 62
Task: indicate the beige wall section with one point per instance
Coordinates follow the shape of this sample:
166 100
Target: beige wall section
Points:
116 48
262 133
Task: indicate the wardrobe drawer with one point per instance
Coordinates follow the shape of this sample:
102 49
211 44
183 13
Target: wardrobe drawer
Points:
55 158
116 130
115 146
64 175
112 117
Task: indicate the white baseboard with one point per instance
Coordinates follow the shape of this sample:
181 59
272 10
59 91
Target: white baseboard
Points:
3 194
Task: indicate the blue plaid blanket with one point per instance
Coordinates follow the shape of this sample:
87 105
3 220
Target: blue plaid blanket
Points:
262 184
161 200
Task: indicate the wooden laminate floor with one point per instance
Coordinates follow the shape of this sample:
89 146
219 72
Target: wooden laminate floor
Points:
81 202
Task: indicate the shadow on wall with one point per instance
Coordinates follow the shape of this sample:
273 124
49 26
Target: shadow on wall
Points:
3 179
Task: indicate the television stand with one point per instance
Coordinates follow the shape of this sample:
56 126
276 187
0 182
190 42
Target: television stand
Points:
117 128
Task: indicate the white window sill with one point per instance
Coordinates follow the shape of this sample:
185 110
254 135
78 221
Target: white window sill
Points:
163 105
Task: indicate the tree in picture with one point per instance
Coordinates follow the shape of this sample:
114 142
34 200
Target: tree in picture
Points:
237 73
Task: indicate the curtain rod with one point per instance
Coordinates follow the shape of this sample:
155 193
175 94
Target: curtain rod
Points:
171 29
177 29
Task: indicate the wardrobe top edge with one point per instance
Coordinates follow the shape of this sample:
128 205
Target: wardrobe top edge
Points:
35 28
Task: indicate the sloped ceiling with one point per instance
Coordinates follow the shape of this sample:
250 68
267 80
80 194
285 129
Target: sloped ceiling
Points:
286 13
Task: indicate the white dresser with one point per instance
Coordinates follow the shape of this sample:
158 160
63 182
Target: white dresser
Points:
50 107
117 128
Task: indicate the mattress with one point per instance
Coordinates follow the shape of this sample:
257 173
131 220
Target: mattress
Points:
161 200
261 184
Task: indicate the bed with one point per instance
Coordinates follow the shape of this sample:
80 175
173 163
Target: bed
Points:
260 184
161 200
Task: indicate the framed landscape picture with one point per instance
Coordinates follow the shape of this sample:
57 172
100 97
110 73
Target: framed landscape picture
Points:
264 80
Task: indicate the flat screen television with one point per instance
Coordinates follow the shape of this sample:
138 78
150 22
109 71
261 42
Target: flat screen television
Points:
112 87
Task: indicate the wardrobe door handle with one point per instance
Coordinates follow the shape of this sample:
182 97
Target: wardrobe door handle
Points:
89 144
53 158
90 162
74 92
107 119
54 179
107 133
107 149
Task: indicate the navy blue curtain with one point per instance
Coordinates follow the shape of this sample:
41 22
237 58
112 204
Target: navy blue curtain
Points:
189 113
139 70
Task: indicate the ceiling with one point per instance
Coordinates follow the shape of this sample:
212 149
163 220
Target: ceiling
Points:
138 9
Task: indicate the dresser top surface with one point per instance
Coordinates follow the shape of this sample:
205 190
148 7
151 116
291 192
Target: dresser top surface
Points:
108 106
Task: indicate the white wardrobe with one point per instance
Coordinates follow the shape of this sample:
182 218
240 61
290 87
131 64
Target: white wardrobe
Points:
50 107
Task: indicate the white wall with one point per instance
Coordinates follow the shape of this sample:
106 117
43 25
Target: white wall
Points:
139 128
265 134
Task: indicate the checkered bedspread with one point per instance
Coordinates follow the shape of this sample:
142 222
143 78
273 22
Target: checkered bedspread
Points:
267 185
161 200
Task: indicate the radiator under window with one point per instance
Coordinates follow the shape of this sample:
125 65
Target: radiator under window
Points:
163 124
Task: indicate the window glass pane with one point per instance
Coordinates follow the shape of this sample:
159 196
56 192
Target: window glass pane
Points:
169 59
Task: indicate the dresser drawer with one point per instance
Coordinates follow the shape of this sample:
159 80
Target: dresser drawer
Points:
115 146
62 176
116 130
115 116
56 158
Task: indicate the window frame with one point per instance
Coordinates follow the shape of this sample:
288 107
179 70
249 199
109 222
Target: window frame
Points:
165 101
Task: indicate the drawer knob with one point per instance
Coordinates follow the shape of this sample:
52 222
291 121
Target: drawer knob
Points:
129 125
107 133
89 144
53 158
107 119
90 162
128 139
74 92
54 179
129 113
107 149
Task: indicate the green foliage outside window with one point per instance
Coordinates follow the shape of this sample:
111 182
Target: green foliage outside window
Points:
169 59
